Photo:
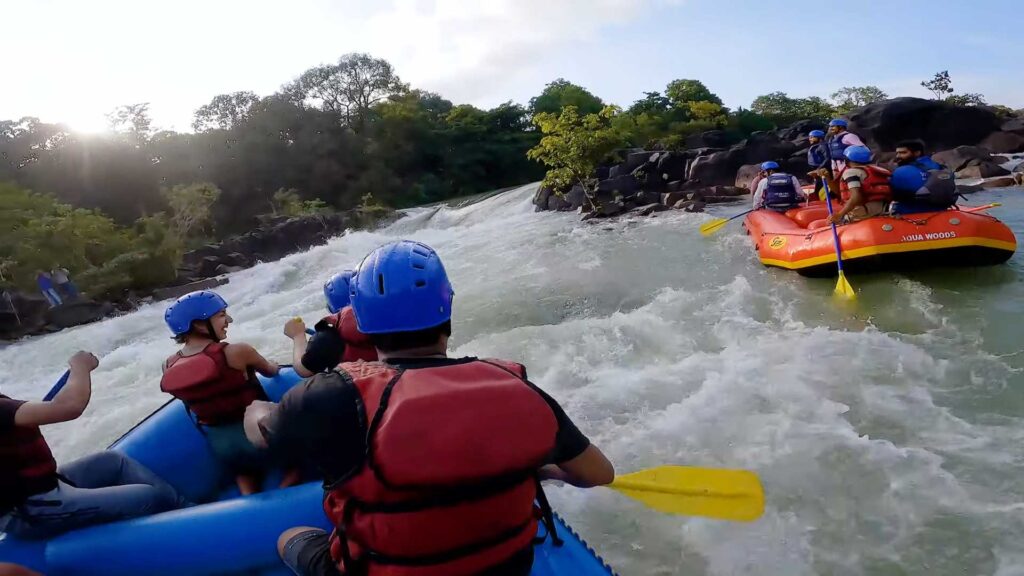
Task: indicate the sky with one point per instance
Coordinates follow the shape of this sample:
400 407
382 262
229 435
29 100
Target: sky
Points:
73 61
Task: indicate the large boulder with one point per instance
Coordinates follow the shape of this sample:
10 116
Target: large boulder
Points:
576 197
78 312
623 185
746 174
707 139
1003 142
961 156
638 159
672 166
762 146
982 169
716 168
800 129
556 202
1013 125
1000 182
939 124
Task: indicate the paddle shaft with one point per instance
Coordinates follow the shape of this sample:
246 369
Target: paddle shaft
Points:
738 215
57 387
828 204
666 489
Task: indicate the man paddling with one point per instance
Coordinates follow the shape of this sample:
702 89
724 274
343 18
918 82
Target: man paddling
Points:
864 187
40 500
431 463
336 338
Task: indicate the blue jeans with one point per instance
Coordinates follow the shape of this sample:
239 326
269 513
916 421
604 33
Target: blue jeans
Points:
51 296
108 486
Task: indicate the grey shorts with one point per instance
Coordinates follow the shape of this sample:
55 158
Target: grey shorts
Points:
309 554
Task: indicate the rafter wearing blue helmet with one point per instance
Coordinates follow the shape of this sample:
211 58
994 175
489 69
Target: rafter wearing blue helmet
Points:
217 382
864 188
839 140
428 419
336 338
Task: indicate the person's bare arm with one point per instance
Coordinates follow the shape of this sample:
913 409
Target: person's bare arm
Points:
856 199
590 468
244 356
296 330
69 403
254 413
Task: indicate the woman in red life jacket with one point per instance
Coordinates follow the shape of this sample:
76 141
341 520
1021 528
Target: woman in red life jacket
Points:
38 499
432 464
336 339
863 187
217 381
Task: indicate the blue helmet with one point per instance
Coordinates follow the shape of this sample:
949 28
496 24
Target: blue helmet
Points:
838 122
817 134
401 287
860 154
769 165
336 290
200 305
907 179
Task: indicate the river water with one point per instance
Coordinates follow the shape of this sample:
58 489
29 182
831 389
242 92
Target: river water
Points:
889 436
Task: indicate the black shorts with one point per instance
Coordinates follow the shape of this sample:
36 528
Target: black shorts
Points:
309 554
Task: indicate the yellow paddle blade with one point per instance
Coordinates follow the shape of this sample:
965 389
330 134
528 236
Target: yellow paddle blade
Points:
843 287
708 228
710 492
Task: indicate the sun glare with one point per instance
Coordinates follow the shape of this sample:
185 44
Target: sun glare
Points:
86 121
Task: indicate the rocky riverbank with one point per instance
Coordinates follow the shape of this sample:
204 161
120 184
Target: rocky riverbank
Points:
710 169
23 314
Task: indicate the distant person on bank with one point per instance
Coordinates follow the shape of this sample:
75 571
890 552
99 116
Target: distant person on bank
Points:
62 278
45 283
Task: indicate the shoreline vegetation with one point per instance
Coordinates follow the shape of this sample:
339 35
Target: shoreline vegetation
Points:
137 210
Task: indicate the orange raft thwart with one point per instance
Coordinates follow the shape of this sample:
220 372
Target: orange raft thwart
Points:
801 240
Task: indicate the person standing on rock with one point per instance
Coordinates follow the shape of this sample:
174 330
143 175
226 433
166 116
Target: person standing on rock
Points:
217 381
817 159
399 441
38 499
337 337
62 278
45 283
864 188
778 190
839 140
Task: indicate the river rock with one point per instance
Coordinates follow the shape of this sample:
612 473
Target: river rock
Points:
602 172
1001 182
998 142
799 130
79 312
672 166
638 159
746 174
707 139
576 197
556 202
941 125
982 169
969 188
671 198
651 209
540 198
622 184
1013 125
961 156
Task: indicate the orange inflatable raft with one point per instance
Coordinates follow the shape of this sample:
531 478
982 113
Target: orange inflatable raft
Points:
801 240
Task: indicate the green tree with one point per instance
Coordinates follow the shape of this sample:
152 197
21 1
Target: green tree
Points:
706 111
940 85
561 93
225 111
574 145
681 92
781 109
350 87
192 208
849 97
132 120
652 103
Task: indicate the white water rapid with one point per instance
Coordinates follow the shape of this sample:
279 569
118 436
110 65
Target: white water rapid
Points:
889 438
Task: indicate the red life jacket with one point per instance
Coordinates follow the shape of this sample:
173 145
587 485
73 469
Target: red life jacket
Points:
215 392
28 466
875 187
358 346
449 482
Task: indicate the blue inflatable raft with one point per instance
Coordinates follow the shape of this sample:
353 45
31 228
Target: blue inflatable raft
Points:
233 535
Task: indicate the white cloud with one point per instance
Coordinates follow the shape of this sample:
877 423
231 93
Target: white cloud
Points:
83 58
